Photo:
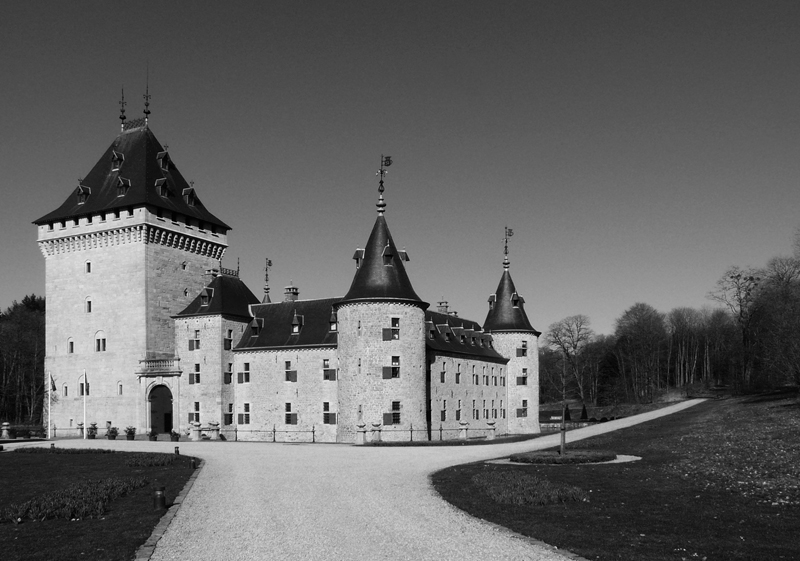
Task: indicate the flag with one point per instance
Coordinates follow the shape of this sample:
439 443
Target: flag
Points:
387 161
509 232
52 384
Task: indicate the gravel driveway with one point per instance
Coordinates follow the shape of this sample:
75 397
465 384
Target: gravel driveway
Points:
332 501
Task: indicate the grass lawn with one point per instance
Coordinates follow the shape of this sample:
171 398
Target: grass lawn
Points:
720 480
116 535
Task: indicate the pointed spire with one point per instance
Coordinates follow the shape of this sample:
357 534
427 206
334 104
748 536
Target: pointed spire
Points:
122 104
506 306
266 299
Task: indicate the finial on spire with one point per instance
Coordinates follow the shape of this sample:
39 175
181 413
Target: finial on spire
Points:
508 234
147 96
386 161
266 299
122 104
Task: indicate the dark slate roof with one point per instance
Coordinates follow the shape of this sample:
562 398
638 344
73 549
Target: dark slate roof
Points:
226 295
507 309
275 325
439 325
141 168
375 280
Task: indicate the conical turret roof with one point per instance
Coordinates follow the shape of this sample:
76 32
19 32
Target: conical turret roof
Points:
135 171
507 308
381 274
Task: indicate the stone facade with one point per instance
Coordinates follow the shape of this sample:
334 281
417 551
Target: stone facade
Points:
137 303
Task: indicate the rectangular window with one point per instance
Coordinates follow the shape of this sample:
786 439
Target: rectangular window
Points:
194 377
244 418
227 419
523 350
194 416
228 341
291 375
523 411
443 376
393 417
444 415
243 377
289 417
392 371
392 333
328 418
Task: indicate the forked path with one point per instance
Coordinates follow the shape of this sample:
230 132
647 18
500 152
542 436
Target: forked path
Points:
337 502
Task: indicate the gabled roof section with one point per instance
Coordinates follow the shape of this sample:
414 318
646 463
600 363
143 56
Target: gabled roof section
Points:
475 345
126 176
225 295
507 309
381 275
299 323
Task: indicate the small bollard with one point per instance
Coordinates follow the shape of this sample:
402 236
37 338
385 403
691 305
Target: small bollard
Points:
177 451
159 499
52 446
193 464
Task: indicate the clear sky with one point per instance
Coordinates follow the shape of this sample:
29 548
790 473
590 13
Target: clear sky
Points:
637 149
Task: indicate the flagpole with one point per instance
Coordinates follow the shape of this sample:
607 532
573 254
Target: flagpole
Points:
85 391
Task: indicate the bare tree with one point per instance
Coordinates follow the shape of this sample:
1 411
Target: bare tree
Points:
570 336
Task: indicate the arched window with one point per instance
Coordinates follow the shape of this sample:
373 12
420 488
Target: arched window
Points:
119 388
65 390
83 386
87 305
70 346
99 342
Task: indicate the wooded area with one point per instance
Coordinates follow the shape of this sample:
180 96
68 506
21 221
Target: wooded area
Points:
22 349
750 343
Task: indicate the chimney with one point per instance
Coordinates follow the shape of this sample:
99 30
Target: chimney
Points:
291 293
442 307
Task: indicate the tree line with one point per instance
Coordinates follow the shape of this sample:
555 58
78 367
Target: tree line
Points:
750 341
22 350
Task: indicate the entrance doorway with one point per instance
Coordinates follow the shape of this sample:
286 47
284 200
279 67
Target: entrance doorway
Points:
160 409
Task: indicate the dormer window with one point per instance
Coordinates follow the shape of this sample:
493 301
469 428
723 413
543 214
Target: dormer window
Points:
122 186
163 161
116 160
83 193
205 296
255 327
334 322
403 255
387 255
161 188
359 257
297 324
492 300
189 196
516 300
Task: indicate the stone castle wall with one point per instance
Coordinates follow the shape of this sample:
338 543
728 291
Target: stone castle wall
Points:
507 344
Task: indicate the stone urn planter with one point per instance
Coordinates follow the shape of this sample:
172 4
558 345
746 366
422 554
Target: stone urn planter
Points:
111 436
152 436
91 436
130 436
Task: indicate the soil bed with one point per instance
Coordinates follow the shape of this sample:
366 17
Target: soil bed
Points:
116 535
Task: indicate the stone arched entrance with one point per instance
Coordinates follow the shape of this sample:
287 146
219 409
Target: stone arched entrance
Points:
160 399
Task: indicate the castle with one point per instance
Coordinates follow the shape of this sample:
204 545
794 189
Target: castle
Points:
144 328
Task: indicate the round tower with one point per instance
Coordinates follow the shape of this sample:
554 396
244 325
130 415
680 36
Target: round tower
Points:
515 338
381 343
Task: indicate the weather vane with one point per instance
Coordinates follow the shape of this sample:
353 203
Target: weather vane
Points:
122 104
386 161
146 96
508 234
266 299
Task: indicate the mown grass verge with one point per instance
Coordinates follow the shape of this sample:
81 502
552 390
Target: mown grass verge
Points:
570 456
106 509
720 480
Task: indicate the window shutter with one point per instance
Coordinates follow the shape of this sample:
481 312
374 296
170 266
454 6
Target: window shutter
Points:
191 417
227 344
332 419
191 378
293 418
191 344
241 419
520 352
228 377
522 412
387 417
387 334
240 377
522 380
387 372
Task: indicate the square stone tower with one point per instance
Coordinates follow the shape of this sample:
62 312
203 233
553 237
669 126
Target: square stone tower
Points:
127 250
